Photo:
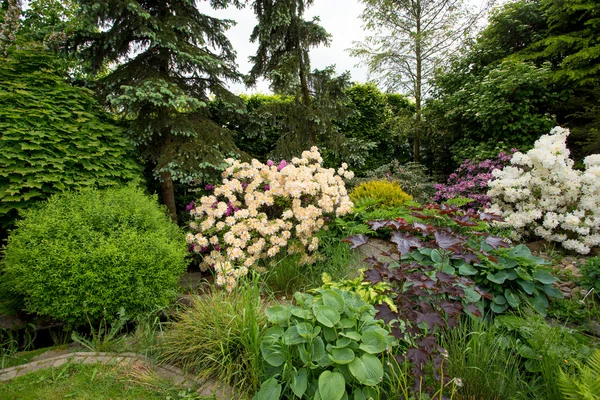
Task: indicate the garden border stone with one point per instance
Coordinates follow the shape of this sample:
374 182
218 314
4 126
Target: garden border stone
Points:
208 387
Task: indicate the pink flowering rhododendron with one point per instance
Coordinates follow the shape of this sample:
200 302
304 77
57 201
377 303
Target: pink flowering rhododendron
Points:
541 195
471 180
261 210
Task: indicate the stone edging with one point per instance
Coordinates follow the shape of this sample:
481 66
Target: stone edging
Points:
176 375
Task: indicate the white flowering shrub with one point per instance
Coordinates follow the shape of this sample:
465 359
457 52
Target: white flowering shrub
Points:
541 195
261 210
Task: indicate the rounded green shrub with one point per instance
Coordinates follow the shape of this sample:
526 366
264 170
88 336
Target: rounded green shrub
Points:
84 255
386 193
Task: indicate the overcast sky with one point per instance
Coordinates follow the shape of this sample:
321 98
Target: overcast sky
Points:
339 17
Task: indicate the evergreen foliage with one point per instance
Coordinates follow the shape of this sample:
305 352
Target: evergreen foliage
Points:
170 58
53 136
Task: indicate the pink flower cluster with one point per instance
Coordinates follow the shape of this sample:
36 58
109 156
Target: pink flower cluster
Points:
261 209
471 180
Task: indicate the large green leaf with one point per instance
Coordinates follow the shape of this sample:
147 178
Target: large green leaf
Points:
332 385
373 342
467 269
544 277
291 336
342 356
327 316
278 315
272 353
511 298
367 369
333 299
299 382
526 285
498 277
269 390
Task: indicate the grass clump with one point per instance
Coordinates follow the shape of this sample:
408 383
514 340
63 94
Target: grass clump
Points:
219 336
386 193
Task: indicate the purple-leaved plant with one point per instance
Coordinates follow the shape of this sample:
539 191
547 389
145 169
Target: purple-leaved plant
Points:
471 180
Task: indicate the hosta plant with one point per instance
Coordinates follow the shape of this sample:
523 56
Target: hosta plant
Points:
328 346
262 210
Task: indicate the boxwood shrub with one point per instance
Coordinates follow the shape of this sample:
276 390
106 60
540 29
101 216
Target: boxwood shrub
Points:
86 254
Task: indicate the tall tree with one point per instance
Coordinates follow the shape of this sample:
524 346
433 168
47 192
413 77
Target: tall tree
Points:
169 58
411 39
284 39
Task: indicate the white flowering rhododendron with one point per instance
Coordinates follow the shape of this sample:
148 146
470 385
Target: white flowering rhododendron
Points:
541 195
262 210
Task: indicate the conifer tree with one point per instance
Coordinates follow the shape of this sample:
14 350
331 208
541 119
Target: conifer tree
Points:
165 59
284 39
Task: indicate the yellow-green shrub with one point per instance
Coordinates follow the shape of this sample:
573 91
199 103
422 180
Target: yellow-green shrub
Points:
387 194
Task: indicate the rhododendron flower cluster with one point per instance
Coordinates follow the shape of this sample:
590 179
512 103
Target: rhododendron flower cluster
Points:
541 195
261 210
471 180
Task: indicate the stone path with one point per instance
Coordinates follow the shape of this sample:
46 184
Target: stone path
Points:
171 373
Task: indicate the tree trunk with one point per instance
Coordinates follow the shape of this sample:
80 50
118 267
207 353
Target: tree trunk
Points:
168 194
307 102
418 84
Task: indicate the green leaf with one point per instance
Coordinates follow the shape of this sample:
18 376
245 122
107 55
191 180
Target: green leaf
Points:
291 336
341 356
467 269
269 390
511 298
327 316
333 299
471 295
332 385
278 315
497 308
544 277
351 335
373 342
367 369
499 277
539 302
272 353
299 382
436 257
526 285
301 313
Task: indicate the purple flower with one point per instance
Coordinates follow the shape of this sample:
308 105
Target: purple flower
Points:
217 247
267 188
209 187
281 165
190 206
190 247
244 185
270 163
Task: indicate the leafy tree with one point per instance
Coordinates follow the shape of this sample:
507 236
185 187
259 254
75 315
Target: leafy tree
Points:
10 24
53 136
536 64
412 38
379 119
169 59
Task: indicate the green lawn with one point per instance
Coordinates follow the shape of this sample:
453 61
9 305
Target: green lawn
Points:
93 382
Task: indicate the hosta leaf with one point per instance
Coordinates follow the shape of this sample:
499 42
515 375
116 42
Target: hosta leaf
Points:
299 382
327 316
269 390
526 285
498 277
373 342
342 356
511 298
332 385
367 369
333 299
544 277
278 315
291 336
466 269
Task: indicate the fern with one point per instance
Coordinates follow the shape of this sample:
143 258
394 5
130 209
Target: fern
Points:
586 384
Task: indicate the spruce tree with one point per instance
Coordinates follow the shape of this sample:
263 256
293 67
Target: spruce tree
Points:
284 39
165 59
